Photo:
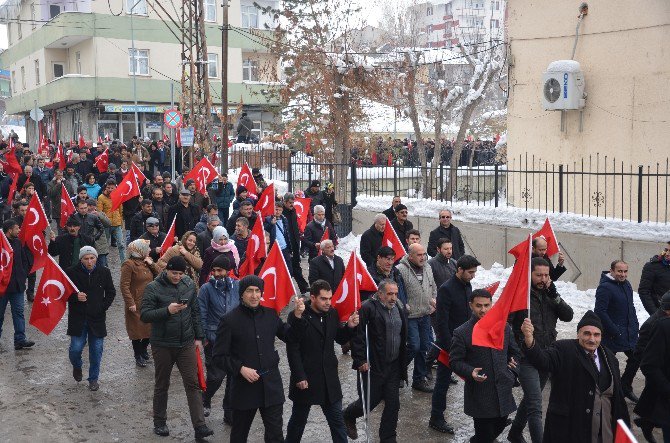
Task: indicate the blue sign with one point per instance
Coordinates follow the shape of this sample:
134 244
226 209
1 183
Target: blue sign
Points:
187 135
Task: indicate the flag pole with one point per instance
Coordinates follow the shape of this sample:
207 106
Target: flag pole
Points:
530 256
365 415
367 404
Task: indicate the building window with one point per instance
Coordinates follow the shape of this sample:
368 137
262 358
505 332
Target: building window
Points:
250 70
59 69
430 29
213 65
495 6
32 15
210 10
447 9
37 72
137 7
23 78
20 32
14 82
495 24
249 17
429 10
54 10
77 61
138 61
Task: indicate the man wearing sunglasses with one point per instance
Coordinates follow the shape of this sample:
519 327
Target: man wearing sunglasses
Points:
449 231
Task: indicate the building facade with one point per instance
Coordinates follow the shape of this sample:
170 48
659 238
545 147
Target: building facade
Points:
75 61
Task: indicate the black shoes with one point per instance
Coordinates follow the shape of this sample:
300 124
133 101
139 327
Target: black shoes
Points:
647 429
161 430
454 380
422 386
206 410
350 425
140 362
203 432
440 425
93 385
23 345
629 394
76 373
514 437
145 356
30 297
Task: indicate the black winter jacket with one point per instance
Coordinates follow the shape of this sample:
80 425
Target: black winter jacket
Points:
371 241
401 230
654 404
646 330
293 229
319 269
137 224
313 234
452 309
187 218
63 246
452 233
614 306
23 261
654 282
100 292
91 225
555 272
443 269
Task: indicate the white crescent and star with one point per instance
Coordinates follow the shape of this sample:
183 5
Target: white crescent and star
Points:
57 284
345 292
4 259
302 208
37 216
41 248
271 271
130 187
244 179
257 242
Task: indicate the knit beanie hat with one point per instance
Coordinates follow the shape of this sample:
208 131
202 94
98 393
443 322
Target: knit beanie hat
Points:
400 207
223 261
87 250
250 280
177 263
590 319
241 189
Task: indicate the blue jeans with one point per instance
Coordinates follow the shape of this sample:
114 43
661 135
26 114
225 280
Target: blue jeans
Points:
530 408
334 417
102 260
418 343
117 231
94 352
18 303
439 400
223 215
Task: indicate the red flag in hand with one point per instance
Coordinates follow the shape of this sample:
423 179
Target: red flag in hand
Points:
492 288
356 278
35 220
102 162
623 433
100 140
12 188
266 201
12 165
139 175
202 380
82 142
203 173
443 357
169 238
6 262
127 189
51 297
391 239
278 285
255 250
60 157
547 233
66 206
325 236
301 207
246 179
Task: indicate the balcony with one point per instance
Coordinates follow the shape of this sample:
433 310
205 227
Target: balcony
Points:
68 89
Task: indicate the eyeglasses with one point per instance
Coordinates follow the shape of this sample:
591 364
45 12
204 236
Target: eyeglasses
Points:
151 225
445 216
403 212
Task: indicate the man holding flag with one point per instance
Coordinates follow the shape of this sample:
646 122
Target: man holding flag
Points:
546 308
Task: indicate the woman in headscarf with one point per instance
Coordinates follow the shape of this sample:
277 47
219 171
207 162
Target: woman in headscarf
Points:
136 273
188 249
220 244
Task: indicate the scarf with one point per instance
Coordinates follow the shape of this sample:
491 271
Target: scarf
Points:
228 247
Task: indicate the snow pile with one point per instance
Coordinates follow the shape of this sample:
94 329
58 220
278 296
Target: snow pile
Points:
531 219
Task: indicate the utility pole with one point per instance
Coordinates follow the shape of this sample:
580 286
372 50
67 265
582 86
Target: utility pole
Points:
224 89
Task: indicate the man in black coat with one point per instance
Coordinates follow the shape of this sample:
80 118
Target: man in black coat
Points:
67 246
452 309
139 220
443 264
327 266
371 240
314 377
401 224
446 230
87 312
540 250
655 280
155 238
187 214
245 349
489 374
23 261
390 212
29 176
384 269
586 398
315 230
91 226
246 210
294 234
383 320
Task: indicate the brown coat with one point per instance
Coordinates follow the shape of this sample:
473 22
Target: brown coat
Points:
135 276
193 261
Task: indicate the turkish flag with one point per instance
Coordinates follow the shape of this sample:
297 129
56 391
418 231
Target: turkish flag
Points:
278 285
6 262
139 175
127 189
165 138
301 207
623 433
202 380
38 247
60 157
203 173
547 233
325 236
356 278
12 165
82 142
255 250
12 188
266 201
246 179
169 238
107 137
490 330
35 220
51 297
100 139
66 206
69 155
391 239
493 287
102 162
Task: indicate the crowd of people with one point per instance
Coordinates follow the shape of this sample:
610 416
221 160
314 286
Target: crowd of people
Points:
191 298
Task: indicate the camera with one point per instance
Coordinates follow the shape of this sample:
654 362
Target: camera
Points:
183 301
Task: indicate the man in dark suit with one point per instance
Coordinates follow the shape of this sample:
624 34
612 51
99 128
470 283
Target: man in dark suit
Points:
488 402
446 230
327 266
390 212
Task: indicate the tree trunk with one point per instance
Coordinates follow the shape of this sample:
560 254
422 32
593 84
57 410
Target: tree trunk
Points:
437 153
414 117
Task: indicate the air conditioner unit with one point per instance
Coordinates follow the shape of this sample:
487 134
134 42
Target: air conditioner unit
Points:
563 86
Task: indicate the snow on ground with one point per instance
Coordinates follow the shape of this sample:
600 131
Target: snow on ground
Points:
531 219
580 301
20 131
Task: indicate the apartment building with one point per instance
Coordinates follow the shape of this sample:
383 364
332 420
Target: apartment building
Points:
74 59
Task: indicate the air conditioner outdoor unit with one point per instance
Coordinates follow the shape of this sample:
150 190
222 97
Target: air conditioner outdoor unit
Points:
563 86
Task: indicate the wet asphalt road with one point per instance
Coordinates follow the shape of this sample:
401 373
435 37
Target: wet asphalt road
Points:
41 402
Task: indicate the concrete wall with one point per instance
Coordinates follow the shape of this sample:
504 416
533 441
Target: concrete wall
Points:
585 256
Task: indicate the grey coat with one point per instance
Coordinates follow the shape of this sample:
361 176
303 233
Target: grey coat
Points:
443 268
492 397
419 294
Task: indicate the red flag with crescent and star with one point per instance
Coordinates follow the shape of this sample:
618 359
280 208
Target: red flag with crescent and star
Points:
6 262
391 239
325 236
66 206
266 201
139 175
102 162
356 278
82 142
278 285
203 173
169 237
11 164
51 297
127 189
35 220
60 157
12 188
547 233
301 206
246 179
255 250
